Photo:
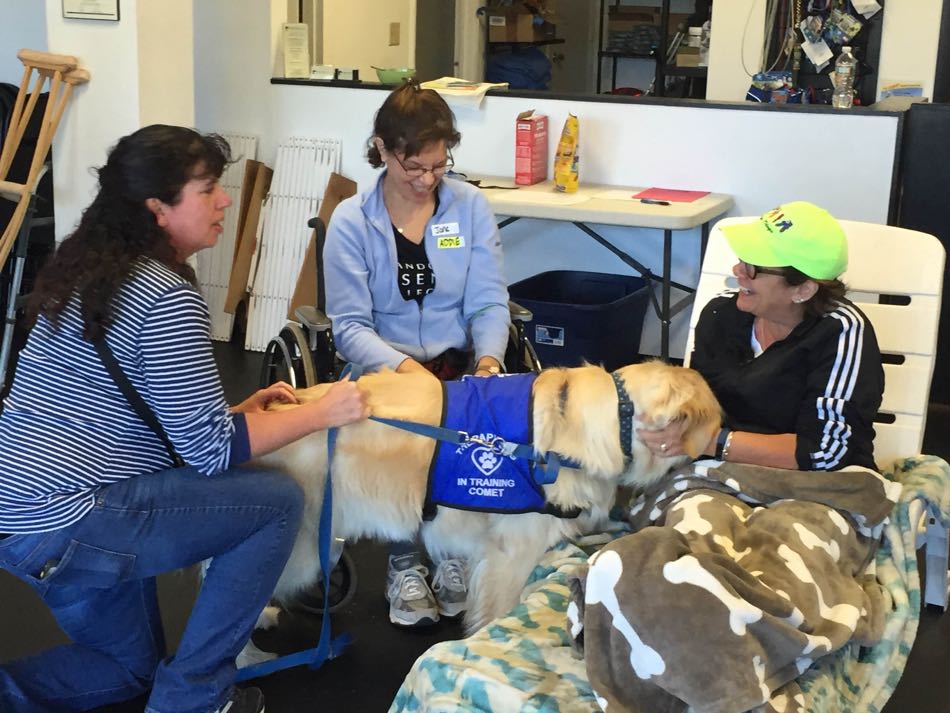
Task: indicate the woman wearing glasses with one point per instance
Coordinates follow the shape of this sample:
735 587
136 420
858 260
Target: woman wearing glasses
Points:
414 281
794 364
413 265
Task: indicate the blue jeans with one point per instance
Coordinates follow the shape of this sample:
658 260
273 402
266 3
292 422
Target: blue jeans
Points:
98 578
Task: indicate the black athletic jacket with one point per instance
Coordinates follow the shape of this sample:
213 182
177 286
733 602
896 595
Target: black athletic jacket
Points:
823 382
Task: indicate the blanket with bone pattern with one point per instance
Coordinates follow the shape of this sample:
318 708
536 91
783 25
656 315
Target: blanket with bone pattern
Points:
737 579
523 661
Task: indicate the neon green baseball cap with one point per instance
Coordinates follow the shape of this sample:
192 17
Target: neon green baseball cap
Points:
799 234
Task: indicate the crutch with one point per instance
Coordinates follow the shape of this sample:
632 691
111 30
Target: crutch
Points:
62 73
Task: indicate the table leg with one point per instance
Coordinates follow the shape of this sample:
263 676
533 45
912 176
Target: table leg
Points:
665 309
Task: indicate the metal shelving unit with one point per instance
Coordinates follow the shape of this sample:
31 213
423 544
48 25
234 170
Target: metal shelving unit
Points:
662 69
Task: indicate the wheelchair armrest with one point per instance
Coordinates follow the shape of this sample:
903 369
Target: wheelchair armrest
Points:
312 318
519 313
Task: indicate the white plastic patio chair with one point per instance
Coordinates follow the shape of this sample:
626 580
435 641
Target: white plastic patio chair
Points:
896 277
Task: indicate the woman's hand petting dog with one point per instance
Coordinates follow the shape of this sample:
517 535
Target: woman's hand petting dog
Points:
664 442
281 392
343 403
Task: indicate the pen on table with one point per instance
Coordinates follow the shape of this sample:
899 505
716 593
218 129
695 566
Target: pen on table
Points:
653 201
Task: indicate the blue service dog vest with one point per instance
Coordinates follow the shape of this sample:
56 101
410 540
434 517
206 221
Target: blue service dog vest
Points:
473 476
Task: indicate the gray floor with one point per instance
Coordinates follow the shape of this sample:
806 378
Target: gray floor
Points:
367 676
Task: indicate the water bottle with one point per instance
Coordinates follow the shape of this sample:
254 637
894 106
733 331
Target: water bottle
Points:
846 67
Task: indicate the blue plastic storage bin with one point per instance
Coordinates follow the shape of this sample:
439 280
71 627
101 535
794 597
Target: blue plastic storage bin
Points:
584 316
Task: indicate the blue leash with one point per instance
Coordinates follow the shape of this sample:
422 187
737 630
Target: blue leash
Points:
545 475
542 475
327 647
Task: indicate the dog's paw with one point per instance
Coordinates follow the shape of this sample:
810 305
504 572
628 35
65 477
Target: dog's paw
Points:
268 618
251 655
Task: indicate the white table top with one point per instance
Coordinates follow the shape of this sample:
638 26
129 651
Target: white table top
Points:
609 205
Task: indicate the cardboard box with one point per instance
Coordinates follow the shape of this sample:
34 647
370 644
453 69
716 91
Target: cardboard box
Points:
676 19
531 148
687 57
305 292
257 178
625 20
510 25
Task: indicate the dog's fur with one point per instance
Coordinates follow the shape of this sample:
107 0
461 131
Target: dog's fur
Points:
379 472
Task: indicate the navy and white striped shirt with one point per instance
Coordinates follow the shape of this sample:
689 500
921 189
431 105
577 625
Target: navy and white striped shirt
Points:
66 429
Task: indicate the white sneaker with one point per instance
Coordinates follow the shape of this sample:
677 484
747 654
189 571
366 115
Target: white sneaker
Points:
450 586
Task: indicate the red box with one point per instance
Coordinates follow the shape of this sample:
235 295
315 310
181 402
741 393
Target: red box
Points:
531 148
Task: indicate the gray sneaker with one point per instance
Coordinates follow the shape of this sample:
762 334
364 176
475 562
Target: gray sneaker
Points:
450 586
411 602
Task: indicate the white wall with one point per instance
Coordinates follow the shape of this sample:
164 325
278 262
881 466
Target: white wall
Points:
356 34
735 48
232 88
101 111
642 144
166 62
142 72
909 43
23 26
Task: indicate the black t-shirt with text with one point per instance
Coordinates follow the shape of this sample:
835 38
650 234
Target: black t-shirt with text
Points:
414 273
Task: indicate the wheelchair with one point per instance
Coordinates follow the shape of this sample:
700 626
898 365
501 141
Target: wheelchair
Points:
303 354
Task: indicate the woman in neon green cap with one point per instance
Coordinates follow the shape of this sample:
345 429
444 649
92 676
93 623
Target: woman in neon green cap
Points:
794 364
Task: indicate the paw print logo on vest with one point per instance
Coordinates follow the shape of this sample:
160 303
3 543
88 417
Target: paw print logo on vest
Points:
485 460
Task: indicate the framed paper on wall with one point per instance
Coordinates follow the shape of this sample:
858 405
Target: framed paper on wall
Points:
91 9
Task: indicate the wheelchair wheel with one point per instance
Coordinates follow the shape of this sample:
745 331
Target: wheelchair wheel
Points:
287 358
342 589
520 357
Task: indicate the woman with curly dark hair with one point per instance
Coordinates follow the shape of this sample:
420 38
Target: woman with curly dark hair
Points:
94 503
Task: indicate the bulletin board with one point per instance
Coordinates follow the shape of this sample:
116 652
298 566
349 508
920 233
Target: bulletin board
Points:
866 46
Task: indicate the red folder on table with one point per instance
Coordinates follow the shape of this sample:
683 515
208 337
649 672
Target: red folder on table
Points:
670 194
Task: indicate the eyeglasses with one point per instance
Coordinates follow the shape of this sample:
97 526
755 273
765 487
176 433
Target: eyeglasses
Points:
419 171
753 270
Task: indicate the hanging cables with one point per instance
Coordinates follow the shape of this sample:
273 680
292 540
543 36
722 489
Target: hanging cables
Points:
745 32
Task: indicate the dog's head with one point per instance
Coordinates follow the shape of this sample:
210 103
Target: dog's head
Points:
576 414
663 394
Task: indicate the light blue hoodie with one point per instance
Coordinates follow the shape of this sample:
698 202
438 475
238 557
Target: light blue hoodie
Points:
468 309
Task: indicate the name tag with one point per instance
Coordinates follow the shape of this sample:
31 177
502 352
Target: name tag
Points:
445 229
448 242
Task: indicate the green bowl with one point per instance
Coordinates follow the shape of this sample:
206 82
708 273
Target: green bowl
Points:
394 76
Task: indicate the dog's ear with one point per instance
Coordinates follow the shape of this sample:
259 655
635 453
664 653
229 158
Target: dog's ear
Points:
575 414
702 412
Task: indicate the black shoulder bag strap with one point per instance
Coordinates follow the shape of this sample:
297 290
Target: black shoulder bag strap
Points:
134 398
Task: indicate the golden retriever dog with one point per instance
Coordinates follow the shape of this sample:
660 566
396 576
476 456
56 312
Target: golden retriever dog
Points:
380 472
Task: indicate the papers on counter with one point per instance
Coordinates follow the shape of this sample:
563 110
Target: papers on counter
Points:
461 92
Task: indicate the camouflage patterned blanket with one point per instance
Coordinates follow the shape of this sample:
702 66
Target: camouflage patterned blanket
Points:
524 661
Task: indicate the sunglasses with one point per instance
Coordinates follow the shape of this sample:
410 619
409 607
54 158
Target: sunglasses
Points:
419 171
753 270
